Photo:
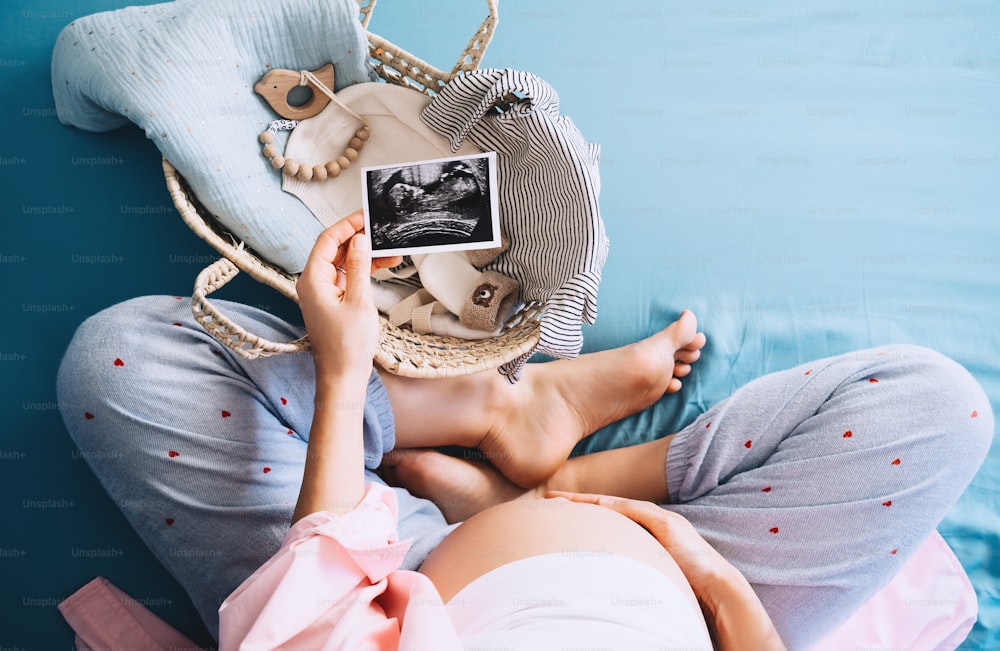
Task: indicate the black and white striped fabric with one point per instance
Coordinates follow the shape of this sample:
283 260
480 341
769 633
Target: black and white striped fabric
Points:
549 183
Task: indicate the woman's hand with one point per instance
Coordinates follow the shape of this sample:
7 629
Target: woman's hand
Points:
336 300
735 616
335 296
698 560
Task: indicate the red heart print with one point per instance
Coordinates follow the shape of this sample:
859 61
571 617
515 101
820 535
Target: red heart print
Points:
291 433
887 503
119 362
169 521
773 529
893 552
766 489
872 380
848 434
173 453
975 414
266 470
809 372
177 323
88 415
708 424
748 444
896 462
284 401
225 414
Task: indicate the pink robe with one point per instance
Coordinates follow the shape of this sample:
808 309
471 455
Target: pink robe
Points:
335 583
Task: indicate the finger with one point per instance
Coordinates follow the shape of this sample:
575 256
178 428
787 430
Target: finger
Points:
586 498
357 264
633 509
386 263
328 246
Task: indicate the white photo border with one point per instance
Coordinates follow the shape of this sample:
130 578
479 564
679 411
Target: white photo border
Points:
493 199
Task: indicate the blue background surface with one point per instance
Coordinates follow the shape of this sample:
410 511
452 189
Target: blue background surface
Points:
808 179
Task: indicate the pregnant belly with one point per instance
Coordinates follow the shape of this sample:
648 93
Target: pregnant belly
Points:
523 528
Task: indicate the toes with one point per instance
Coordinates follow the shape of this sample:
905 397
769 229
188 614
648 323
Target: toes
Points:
687 328
674 385
682 370
687 356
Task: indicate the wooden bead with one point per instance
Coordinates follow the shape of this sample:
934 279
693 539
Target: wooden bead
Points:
293 168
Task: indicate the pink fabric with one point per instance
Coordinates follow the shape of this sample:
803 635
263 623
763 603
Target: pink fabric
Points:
335 584
929 605
104 617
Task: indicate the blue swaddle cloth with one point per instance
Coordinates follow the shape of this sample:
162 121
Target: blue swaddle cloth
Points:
184 72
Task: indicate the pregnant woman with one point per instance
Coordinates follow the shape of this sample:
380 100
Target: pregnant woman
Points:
777 512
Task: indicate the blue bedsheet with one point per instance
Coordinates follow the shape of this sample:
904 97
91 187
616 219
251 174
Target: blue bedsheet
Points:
808 179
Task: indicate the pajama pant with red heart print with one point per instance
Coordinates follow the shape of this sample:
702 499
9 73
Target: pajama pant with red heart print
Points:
815 482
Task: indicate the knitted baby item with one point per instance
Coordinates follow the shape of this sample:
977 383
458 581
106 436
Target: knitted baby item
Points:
405 304
480 299
482 302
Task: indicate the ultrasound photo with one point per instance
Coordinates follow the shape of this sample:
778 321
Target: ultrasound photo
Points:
446 204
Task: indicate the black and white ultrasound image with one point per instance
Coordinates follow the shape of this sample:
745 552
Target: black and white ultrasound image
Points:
430 204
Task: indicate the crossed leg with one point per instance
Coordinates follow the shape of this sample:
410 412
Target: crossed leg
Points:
528 429
816 482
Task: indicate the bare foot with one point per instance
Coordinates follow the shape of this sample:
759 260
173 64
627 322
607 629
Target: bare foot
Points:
558 403
459 487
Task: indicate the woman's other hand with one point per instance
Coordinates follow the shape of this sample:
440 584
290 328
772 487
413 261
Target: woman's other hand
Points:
335 297
699 561
735 616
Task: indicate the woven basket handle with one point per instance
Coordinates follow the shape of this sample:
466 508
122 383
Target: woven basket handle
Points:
427 76
231 335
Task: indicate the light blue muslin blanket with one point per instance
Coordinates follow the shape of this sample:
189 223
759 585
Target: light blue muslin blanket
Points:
184 72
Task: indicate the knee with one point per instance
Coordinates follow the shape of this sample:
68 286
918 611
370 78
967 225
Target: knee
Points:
947 398
105 331
98 347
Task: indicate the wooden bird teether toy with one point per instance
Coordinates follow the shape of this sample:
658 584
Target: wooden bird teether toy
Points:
275 86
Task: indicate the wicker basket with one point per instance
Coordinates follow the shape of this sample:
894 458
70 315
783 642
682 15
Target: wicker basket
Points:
401 350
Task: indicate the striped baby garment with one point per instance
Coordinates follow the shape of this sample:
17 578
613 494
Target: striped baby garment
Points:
549 183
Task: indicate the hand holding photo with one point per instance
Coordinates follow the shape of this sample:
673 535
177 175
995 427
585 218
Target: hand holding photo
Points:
445 204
